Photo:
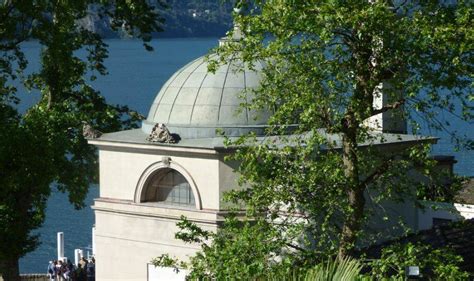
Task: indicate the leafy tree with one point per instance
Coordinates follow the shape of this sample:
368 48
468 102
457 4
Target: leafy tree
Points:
327 63
45 144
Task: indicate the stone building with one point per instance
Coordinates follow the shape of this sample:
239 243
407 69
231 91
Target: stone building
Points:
145 187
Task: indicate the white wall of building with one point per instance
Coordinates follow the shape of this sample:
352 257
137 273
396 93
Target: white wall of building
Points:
165 273
120 171
129 234
127 241
446 211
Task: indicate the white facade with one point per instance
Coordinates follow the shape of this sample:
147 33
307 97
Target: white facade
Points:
130 233
145 186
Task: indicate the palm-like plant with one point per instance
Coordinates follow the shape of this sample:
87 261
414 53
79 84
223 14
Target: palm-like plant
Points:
345 269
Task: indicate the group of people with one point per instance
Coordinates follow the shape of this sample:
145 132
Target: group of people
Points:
59 270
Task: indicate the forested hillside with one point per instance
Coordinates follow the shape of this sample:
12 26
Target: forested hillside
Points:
189 18
184 18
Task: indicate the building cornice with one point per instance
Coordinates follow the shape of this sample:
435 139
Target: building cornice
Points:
159 211
107 145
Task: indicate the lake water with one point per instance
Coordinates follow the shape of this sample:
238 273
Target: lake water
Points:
135 77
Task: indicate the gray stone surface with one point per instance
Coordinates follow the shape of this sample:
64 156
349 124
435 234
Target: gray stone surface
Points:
137 136
194 103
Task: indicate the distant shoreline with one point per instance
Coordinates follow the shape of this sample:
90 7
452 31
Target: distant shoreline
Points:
152 40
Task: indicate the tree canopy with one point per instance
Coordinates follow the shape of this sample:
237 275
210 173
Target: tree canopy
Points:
45 146
327 65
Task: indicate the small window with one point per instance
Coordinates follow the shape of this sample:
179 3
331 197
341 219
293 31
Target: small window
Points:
170 187
440 221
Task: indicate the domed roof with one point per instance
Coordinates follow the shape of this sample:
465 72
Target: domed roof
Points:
193 103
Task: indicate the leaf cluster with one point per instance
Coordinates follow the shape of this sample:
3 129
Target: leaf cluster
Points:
242 249
434 264
327 59
25 178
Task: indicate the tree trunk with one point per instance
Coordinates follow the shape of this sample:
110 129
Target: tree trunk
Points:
9 269
352 225
354 191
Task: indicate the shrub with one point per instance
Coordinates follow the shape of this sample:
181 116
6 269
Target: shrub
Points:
434 264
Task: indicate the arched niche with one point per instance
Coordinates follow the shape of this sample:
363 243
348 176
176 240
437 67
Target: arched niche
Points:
169 183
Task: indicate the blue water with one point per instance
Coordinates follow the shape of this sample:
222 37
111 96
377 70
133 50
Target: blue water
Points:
135 77
62 217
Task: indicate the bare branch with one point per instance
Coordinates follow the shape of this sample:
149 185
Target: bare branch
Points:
379 171
296 247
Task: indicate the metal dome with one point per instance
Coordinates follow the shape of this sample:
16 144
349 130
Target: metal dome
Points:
194 103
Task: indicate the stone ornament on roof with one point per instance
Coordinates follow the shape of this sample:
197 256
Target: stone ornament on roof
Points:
160 133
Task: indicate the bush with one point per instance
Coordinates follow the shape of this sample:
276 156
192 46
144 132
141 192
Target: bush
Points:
435 264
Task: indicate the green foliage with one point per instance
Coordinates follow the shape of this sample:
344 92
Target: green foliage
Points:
253 265
325 63
434 264
25 177
183 18
344 269
332 270
194 18
45 144
244 249
167 261
309 195
442 186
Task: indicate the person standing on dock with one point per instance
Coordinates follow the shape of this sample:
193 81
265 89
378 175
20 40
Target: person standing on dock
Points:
52 270
83 263
90 269
80 273
60 270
